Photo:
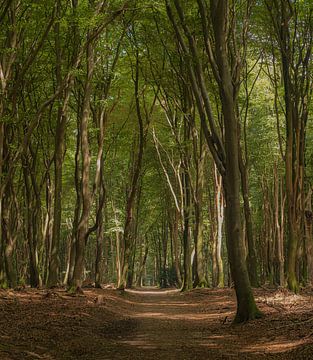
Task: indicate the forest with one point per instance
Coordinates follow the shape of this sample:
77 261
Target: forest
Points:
148 146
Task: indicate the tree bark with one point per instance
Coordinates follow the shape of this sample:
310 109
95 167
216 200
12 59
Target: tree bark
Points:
246 306
308 237
127 241
82 228
200 280
252 260
53 274
219 201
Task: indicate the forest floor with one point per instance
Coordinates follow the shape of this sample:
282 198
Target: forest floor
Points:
152 324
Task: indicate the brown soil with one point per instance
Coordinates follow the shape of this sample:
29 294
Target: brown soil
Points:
152 324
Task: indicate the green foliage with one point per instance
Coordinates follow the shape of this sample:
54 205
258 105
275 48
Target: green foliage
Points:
141 30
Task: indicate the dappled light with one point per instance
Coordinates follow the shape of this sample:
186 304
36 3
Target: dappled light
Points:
151 323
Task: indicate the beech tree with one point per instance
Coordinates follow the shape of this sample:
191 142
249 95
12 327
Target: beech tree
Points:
225 63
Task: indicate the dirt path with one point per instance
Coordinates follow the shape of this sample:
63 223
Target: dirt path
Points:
170 325
166 326
152 324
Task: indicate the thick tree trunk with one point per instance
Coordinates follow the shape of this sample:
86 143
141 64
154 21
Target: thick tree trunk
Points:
246 307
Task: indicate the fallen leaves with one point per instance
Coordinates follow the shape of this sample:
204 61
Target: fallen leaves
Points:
102 324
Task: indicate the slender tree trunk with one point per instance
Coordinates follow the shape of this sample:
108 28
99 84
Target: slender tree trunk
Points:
187 278
99 266
143 261
219 200
279 220
309 237
82 228
175 241
10 229
33 207
164 243
99 263
118 260
127 240
78 204
213 218
99 187
252 260
198 203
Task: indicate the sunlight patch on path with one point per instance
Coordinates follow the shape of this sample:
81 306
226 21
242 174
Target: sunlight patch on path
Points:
152 291
273 346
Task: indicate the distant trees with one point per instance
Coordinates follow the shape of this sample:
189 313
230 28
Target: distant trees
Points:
292 30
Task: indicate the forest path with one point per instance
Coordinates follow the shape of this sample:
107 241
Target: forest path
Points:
165 324
152 324
168 325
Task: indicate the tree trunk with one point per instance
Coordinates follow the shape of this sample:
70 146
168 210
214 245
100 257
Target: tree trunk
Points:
175 241
68 279
279 225
82 228
308 237
296 71
246 307
219 200
10 229
198 204
187 278
252 260
127 241
142 265
99 266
